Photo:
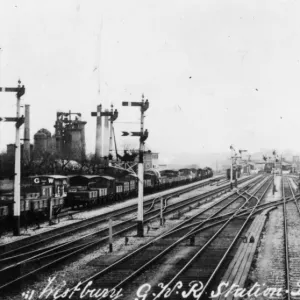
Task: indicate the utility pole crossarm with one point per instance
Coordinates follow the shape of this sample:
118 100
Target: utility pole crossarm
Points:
132 103
7 89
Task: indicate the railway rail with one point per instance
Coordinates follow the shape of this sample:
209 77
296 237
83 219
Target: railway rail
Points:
213 256
47 257
38 211
47 236
284 259
291 211
124 270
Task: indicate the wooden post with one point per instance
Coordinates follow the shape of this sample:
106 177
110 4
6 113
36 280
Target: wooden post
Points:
110 235
161 212
50 211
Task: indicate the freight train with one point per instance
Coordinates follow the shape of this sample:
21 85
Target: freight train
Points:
45 196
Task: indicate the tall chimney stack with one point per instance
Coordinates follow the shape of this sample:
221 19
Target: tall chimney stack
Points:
99 152
106 135
26 152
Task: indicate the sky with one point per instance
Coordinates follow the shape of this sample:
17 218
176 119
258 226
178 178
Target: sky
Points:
216 73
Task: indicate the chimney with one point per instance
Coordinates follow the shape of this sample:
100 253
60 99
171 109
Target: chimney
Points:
106 136
99 133
26 150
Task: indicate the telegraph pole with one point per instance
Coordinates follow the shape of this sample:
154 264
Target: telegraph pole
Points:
140 219
231 167
113 116
110 136
234 156
17 182
143 136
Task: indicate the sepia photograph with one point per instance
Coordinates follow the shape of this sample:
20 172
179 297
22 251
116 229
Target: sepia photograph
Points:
148 149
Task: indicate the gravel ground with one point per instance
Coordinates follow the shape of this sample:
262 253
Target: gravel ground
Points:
268 256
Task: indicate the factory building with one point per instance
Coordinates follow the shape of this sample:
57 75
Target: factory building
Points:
42 141
68 141
70 135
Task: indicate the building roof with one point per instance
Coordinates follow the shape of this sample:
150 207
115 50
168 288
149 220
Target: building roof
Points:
107 177
87 176
95 176
51 176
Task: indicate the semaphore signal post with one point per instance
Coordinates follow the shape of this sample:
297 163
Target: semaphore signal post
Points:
144 105
20 90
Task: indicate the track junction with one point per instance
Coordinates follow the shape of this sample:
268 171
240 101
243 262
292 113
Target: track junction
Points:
186 254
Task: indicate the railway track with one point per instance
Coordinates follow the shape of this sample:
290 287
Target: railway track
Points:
285 252
121 213
210 261
45 237
32 262
174 245
292 245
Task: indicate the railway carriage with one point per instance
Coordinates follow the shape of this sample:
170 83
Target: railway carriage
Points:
91 189
46 193
170 181
199 174
124 178
133 183
41 196
59 183
207 173
194 174
122 188
163 182
172 178
149 182
187 173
